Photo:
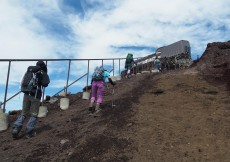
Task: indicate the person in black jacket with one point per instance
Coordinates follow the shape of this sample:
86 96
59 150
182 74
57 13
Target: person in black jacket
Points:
30 106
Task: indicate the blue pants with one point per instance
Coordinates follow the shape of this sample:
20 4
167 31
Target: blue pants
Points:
30 125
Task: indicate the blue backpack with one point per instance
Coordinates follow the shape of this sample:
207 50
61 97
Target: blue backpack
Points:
98 74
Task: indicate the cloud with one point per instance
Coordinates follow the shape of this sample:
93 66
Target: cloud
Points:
90 28
152 24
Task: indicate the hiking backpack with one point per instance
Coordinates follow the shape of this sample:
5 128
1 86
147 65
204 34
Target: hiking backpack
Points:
34 76
29 80
98 74
45 80
129 58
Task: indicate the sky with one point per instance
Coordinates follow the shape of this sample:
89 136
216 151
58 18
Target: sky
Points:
87 29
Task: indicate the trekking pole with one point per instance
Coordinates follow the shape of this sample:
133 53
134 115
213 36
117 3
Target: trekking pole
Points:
35 83
43 93
36 92
42 89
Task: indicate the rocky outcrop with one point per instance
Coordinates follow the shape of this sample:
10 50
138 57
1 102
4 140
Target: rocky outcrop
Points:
215 61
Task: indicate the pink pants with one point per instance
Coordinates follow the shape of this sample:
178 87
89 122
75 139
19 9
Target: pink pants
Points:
97 91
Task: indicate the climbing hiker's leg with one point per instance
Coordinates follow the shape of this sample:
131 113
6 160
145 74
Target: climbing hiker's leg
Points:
17 126
93 96
100 90
30 127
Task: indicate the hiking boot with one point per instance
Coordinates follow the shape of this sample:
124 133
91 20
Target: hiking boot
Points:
91 108
97 108
15 132
31 134
128 76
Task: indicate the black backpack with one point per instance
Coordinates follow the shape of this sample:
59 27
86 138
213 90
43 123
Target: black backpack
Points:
33 78
45 80
29 81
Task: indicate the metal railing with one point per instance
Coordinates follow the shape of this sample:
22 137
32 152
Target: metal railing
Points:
65 88
46 61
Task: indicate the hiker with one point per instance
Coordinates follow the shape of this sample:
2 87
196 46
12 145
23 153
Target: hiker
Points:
157 63
98 78
164 64
128 64
31 99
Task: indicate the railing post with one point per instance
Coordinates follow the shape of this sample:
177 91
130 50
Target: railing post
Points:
113 67
119 66
7 80
87 77
43 93
67 82
102 63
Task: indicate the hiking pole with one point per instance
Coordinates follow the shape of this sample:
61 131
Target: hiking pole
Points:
36 92
36 83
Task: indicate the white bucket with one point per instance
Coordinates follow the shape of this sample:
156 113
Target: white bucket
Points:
3 121
62 94
113 78
64 103
42 111
86 95
53 100
118 77
145 72
154 71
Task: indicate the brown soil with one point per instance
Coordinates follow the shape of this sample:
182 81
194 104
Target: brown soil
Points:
165 117
215 62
